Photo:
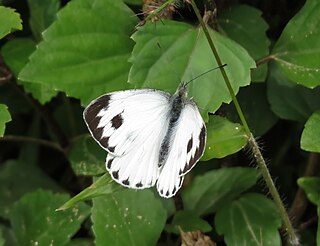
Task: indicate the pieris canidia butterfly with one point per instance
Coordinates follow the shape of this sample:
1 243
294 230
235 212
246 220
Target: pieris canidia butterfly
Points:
152 137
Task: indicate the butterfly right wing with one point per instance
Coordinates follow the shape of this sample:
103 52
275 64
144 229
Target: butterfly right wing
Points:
130 125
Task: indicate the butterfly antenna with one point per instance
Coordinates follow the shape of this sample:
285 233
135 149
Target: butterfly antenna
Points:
210 70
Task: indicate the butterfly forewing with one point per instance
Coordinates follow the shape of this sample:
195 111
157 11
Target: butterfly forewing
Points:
130 125
186 148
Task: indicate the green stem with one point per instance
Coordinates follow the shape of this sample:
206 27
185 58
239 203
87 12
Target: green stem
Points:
292 237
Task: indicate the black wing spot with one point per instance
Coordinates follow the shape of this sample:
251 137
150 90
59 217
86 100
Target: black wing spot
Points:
189 146
105 142
115 175
167 193
93 109
126 182
109 163
111 149
139 185
117 121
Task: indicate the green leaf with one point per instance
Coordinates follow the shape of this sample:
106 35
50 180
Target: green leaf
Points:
10 21
209 192
4 118
42 14
185 54
16 53
245 25
251 220
2 240
35 222
18 178
223 138
311 186
297 51
86 156
85 51
102 186
187 221
134 2
310 139
290 101
129 217
257 112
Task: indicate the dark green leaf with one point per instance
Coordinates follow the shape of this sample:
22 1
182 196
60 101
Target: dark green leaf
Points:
253 219
4 118
310 139
18 178
223 138
290 101
10 21
42 14
245 25
185 54
256 109
102 186
35 222
2 240
85 51
211 191
187 221
86 156
297 51
16 53
129 217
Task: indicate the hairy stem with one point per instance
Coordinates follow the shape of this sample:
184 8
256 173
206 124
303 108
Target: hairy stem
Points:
292 237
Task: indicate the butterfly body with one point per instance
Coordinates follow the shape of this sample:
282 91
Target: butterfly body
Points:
151 136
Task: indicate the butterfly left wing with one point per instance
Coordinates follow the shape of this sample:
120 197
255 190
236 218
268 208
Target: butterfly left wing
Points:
186 148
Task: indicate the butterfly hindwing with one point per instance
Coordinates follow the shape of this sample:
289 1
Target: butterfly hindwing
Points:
130 125
186 148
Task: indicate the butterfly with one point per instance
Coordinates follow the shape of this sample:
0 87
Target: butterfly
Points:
152 137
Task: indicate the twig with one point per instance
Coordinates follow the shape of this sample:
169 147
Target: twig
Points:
52 145
292 237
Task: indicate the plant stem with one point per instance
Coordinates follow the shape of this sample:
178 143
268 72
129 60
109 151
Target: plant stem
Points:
292 237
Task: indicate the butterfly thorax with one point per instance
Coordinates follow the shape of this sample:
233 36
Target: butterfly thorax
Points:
177 103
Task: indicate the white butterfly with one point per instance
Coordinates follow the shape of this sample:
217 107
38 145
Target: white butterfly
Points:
151 136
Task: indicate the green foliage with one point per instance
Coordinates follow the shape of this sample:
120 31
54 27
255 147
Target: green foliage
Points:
251 220
70 52
310 139
128 218
297 52
4 118
34 220
10 21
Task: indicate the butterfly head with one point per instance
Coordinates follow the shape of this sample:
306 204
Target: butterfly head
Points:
182 90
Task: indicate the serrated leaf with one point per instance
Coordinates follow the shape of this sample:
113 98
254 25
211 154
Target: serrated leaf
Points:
209 192
5 117
35 222
223 138
245 25
251 220
185 54
10 21
129 217
310 139
16 53
187 221
42 14
256 109
85 51
101 186
297 51
27 178
290 101
86 156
